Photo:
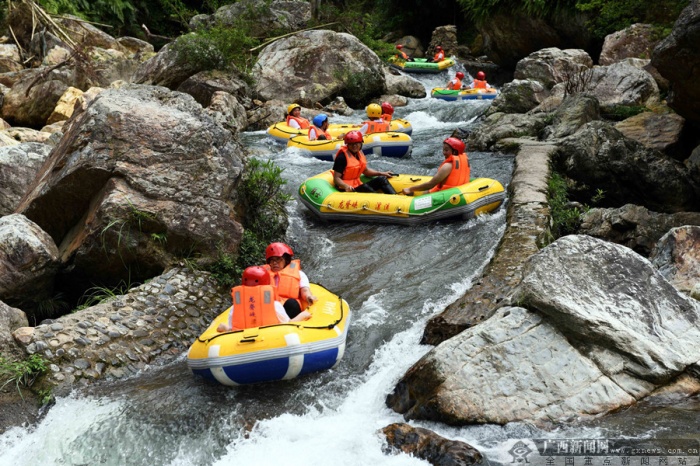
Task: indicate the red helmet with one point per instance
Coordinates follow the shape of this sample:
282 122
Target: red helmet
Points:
255 276
481 75
353 136
437 47
278 250
387 108
455 144
399 46
459 75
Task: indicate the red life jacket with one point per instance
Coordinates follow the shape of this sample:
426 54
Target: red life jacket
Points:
459 174
376 126
287 282
455 84
479 84
253 306
319 132
440 56
303 122
354 167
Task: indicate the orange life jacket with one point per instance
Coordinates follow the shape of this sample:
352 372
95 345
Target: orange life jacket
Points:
459 174
287 282
253 306
402 55
319 132
387 118
354 167
455 84
303 122
479 84
376 126
440 56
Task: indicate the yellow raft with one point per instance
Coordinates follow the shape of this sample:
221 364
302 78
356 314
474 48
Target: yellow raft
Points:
479 196
274 352
395 145
281 131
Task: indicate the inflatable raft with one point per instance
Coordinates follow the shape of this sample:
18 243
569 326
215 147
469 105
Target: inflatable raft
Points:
275 352
282 132
394 145
464 94
477 197
422 65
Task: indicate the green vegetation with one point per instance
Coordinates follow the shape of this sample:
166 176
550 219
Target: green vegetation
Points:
217 48
610 16
263 201
97 294
622 112
566 215
22 373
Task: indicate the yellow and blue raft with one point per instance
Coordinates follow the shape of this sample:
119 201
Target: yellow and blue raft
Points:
274 352
390 144
281 131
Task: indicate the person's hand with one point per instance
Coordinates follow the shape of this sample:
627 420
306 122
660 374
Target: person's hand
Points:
222 328
349 189
311 299
407 192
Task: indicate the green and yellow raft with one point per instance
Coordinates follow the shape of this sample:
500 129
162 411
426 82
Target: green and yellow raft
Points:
421 65
479 196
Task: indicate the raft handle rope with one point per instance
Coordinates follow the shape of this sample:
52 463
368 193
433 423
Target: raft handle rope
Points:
364 206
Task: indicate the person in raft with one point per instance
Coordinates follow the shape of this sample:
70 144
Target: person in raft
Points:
319 128
455 83
401 55
294 118
480 81
375 123
350 163
454 170
254 303
292 285
387 112
439 55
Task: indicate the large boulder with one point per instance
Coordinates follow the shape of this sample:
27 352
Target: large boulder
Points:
602 329
259 17
519 96
660 131
19 165
574 112
143 176
633 226
598 157
635 41
10 319
551 65
677 58
622 84
499 126
677 256
427 445
316 66
28 262
170 67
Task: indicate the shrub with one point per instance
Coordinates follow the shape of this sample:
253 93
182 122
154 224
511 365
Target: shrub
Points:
22 373
217 48
265 220
565 215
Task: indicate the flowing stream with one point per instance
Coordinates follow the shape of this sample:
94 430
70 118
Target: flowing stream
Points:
393 277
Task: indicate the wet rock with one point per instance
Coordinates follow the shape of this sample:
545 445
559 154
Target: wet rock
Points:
429 446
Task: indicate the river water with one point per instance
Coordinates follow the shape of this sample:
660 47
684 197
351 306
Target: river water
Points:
394 278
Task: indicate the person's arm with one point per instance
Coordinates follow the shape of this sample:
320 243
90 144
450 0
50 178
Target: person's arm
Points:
312 134
305 289
441 175
293 123
370 172
303 315
364 128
